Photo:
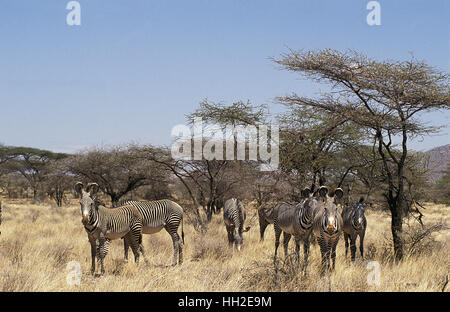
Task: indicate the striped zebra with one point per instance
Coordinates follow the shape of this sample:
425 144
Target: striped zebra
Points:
266 215
355 225
327 225
295 220
161 214
103 225
234 217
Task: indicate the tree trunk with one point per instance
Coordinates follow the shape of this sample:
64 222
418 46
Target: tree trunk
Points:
397 229
209 209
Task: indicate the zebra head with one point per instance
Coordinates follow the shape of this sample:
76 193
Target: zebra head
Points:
238 240
329 205
358 216
87 200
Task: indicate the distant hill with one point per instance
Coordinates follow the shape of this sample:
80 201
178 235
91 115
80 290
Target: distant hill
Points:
439 158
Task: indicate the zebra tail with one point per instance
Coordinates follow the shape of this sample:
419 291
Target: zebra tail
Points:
182 228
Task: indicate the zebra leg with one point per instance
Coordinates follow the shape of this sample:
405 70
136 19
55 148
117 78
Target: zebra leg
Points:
346 237
333 255
141 249
133 241
286 239
262 226
305 252
93 253
297 248
324 250
177 243
180 250
103 245
361 245
230 230
277 241
125 249
353 247
180 253
176 247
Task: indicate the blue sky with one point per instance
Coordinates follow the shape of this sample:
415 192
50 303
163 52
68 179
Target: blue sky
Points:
133 69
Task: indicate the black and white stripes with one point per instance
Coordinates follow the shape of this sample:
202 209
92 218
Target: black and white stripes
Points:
234 217
327 225
161 214
355 225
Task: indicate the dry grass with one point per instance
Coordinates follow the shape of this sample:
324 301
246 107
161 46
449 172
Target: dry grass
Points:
38 241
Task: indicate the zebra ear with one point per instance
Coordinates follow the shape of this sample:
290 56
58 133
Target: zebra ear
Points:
305 192
339 193
323 191
79 187
92 188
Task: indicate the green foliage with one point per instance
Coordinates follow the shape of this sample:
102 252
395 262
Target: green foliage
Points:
238 113
442 187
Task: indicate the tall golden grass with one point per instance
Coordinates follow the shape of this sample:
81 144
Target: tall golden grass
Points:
38 241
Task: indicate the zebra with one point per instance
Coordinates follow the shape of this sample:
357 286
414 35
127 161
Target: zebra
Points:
267 214
157 215
234 217
327 225
103 225
294 220
355 225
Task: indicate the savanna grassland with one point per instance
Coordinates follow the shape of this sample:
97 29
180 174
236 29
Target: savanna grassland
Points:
38 241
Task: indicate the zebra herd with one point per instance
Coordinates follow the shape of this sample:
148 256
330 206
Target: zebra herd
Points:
315 215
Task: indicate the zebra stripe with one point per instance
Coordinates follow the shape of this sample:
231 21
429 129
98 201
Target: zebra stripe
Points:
355 225
234 216
161 214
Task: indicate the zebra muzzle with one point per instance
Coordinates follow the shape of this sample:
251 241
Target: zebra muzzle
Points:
331 226
85 219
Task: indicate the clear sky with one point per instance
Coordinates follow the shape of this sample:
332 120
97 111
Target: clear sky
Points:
133 69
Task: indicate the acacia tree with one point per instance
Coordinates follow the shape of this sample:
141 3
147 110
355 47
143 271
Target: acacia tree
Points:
59 180
5 154
386 98
117 170
217 174
311 143
32 164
